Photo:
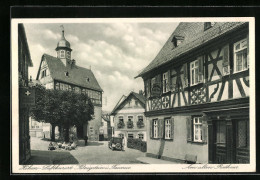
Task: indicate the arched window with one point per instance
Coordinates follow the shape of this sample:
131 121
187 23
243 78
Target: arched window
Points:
62 54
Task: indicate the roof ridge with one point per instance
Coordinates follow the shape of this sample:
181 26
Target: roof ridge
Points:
167 53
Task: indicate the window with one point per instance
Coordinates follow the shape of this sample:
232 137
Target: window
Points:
77 89
130 122
207 25
141 136
155 128
194 76
240 56
167 123
121 135
196 71
62 54
57 86
66 87
68 54
67 74
43 73
165 82
61 86
130 136
69 88
221 133
197 129
153 81
140 122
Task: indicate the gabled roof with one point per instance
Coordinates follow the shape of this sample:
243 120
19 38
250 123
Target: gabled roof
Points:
139 97
77 75
118 103
105 117
22 35
194 36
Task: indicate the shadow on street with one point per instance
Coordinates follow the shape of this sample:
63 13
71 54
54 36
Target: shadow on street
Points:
95 143
51 157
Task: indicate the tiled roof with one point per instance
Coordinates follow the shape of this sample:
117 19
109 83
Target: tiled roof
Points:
77 75
105 117
194 36
140 97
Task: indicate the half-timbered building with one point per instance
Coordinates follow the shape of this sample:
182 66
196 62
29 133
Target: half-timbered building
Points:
62 72
197 94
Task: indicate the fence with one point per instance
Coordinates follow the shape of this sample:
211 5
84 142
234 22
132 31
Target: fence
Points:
136 144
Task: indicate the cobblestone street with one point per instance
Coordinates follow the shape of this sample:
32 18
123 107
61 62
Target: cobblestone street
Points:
94 153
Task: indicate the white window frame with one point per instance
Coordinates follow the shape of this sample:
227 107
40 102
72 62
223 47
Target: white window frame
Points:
197 125
167 128
240 50
194 68
155 128
165 82
62 54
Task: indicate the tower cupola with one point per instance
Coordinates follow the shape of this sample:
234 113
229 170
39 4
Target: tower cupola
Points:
63 49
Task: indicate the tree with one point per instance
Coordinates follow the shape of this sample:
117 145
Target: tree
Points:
61 108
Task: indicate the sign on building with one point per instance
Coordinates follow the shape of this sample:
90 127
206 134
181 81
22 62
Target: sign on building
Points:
26 96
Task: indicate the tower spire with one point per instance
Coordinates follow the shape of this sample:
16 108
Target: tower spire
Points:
62 29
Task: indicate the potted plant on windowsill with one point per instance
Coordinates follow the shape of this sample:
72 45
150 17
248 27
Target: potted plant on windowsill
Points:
120 125
130 124
140 124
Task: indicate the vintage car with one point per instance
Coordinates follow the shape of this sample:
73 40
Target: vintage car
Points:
115 143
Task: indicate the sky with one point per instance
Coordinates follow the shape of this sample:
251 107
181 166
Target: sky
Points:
116 52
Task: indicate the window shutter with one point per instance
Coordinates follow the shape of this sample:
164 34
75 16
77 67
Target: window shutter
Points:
204 130
151 129
225 62
201 68
169 85
185 75
148 88
172 128
158 81
189 128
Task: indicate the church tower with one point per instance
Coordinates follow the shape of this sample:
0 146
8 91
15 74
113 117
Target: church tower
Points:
63 49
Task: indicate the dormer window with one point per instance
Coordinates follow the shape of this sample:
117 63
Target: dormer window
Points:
177 40
62 54
87 79
208 25
67 74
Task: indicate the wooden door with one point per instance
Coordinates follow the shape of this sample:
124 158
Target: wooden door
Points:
220 146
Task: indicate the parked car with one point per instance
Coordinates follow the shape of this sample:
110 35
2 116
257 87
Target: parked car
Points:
115 143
